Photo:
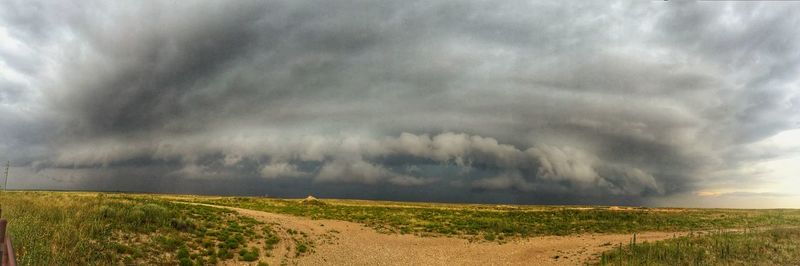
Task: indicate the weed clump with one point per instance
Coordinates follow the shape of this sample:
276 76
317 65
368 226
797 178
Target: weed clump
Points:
248 255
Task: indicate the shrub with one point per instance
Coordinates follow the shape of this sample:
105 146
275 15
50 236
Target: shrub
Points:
248 255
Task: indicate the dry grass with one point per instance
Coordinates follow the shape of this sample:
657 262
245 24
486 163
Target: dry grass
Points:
50 228
57 228
751 247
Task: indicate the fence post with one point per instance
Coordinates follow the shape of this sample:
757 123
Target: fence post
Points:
3 256
11 259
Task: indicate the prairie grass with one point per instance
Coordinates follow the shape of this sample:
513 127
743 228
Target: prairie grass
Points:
102 229
57 228
754 247
493 223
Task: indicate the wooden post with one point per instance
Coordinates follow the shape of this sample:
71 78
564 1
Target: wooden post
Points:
10 259
3 255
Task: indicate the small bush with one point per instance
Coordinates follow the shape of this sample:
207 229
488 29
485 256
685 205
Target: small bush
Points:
248 255
185 262
302 248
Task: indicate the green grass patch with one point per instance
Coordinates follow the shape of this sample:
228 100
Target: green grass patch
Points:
54 228
770 247
248 254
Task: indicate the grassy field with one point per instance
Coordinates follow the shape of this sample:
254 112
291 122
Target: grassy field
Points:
74 228
756 247
102 229
496 223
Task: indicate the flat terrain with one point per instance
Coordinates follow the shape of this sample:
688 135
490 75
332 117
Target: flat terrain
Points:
502 222
347 243
50 228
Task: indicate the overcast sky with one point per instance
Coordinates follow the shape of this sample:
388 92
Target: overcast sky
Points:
657 103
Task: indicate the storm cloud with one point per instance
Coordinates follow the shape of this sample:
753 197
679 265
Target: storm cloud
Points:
561 102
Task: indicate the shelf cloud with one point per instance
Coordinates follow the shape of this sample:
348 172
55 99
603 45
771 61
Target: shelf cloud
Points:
563 102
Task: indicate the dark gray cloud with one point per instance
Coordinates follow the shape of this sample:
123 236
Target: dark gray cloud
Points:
562 102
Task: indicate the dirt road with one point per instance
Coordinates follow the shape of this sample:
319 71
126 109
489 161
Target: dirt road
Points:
344 243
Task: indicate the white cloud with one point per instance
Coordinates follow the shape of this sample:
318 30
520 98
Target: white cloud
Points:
281 169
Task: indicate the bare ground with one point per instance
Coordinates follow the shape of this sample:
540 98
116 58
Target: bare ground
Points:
334 242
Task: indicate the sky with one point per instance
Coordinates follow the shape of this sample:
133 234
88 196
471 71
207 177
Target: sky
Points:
643 103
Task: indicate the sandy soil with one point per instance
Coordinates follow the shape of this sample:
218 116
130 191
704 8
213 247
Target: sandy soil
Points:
345 243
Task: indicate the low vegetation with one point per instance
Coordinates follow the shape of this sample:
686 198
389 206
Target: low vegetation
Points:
57 228
102 229
755 247
498 223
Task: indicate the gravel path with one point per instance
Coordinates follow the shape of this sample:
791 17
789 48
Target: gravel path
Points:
345 243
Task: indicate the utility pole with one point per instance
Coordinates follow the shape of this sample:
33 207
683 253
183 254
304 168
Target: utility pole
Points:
5 183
